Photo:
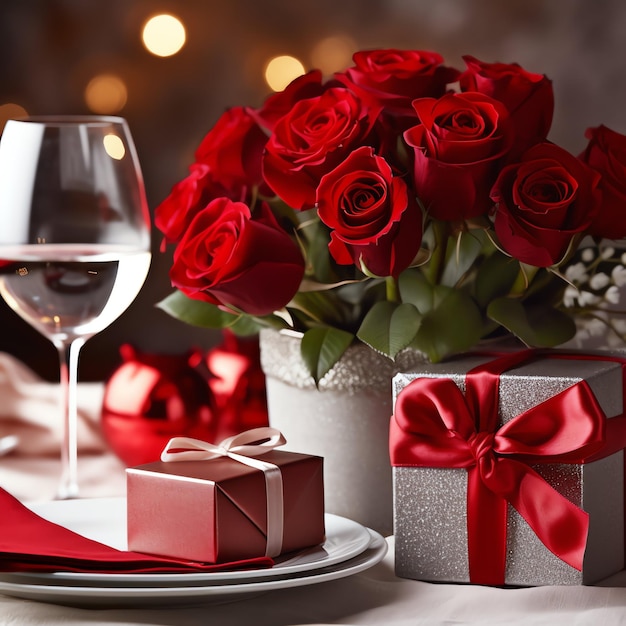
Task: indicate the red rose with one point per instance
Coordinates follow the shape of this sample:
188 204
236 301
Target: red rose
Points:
606 153
175 213
528 97
374 220
227 257
232 149
308 85
458 145
228 164
310 140
394 78
543 202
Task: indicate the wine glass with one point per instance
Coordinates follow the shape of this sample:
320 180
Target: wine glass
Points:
74 239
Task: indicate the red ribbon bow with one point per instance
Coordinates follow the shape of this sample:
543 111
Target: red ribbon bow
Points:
435 425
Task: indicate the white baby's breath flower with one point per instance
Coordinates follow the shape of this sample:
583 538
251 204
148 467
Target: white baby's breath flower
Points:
586 298
616 335
576 273
612 295
613 341
596 327
608 252
570 296
587 255
599 281
619 323
619 275
623 258
582 334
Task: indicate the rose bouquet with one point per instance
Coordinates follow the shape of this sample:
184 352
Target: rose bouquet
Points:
402 203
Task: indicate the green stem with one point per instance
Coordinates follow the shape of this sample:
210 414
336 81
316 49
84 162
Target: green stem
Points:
523 280
439 252
391 285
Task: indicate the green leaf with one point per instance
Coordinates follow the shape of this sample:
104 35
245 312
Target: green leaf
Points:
195 312
453 326
246 325
461 256
538 325
322 347
313 236
416 290
320 306
207 315
495 278
389 327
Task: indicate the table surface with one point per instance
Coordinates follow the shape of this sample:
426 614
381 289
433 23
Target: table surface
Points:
375 596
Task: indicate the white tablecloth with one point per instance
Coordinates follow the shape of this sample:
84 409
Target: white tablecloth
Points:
376 596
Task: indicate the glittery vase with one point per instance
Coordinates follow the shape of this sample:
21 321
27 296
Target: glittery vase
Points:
345 420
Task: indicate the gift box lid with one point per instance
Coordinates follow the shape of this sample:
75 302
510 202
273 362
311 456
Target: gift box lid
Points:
526 385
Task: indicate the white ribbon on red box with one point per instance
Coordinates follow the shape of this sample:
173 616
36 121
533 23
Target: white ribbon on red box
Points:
241 448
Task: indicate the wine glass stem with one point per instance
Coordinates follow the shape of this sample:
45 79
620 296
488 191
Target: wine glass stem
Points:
68 358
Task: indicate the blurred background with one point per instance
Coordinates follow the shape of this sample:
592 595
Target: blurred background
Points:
172 81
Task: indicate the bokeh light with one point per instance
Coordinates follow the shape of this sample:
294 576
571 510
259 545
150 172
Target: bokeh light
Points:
106 93
114 147
10 111
333 54
281 70
163 35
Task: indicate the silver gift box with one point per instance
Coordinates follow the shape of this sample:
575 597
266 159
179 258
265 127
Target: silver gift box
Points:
430 521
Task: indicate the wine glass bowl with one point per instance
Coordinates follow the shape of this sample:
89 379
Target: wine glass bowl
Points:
74 238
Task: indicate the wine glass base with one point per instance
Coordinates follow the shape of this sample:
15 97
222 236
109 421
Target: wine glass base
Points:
68 492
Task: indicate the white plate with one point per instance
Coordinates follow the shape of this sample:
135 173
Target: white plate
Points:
104 520
109 597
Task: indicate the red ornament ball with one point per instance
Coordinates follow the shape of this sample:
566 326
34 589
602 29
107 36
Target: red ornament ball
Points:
151 398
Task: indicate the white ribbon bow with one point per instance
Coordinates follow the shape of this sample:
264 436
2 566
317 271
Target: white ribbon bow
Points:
254 442
241 448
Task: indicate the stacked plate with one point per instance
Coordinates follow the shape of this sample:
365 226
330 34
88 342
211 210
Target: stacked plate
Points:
349 548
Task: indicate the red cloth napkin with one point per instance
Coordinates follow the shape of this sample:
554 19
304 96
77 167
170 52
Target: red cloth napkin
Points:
29 543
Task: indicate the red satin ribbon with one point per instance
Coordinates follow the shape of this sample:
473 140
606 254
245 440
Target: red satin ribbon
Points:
435 425
615 439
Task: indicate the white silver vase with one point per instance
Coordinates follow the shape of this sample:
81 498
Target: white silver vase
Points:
345 420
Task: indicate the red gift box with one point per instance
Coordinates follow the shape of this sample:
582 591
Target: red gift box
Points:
228 502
